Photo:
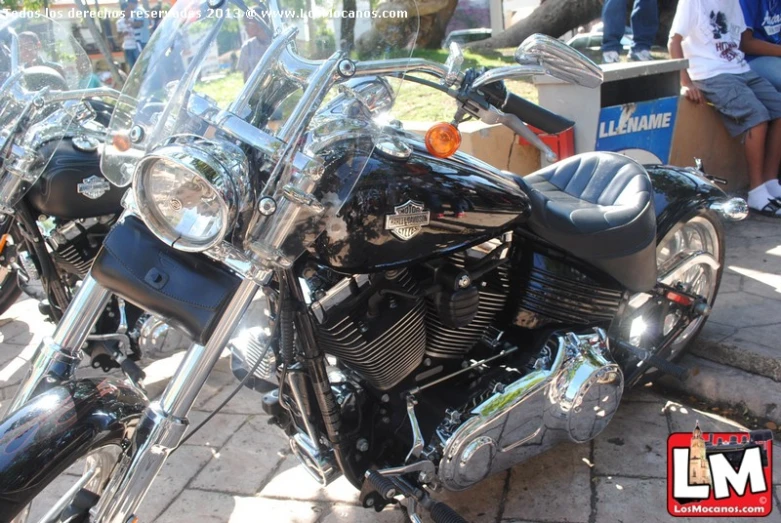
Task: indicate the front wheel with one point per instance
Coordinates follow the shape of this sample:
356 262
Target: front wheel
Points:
10 290
689 257
59 450
70 496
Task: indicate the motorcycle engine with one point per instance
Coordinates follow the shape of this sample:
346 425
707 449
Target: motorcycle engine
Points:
381 332
74 244
383 326
568 392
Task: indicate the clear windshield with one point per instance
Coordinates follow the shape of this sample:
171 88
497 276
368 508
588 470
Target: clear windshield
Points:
238 72
38 57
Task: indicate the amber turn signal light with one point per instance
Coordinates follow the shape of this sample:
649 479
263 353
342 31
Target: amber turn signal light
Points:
121 142
443 140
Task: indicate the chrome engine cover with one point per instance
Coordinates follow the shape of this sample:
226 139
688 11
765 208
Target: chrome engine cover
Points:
573 399
157 339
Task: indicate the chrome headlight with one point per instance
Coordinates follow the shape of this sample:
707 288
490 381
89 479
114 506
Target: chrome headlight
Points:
189 195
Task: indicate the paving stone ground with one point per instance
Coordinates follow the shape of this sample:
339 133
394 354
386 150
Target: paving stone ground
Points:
745 321
239 469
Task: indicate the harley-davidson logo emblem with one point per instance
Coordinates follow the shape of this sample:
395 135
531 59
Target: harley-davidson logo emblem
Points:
409 219
93 187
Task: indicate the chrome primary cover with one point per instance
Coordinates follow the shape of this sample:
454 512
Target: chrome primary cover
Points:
571 398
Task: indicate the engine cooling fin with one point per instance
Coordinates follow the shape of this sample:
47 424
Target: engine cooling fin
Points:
74 260
383 349
552 292
448 342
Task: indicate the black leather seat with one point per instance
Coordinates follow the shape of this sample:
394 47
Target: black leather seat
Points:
599 207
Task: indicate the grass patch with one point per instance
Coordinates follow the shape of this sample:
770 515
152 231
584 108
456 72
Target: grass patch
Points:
224 90
418 103
414 102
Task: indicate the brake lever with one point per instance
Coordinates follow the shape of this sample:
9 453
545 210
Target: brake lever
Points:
492 115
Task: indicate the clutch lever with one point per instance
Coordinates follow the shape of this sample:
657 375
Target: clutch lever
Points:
492 115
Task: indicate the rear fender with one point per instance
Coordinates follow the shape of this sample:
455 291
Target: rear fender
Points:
679 193
57 427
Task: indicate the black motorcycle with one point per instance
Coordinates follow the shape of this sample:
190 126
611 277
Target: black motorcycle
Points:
56 207
432 320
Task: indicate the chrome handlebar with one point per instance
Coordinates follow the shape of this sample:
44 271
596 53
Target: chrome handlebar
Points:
79 94
404 66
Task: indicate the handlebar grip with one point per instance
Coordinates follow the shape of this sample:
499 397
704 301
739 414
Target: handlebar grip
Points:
532 114
442 513
535 115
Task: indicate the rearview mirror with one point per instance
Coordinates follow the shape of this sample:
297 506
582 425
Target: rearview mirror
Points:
455 59
559 60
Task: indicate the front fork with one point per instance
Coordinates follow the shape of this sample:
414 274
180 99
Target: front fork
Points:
163 423
58 356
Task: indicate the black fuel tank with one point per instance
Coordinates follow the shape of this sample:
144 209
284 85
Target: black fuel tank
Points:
402 212
57 191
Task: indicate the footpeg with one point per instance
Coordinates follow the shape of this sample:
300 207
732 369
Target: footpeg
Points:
413 498
386 488
442 513
667 367
132 370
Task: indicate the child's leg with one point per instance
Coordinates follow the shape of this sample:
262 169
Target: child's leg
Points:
744 112
759 154
773 151
769 68
771 99
755 141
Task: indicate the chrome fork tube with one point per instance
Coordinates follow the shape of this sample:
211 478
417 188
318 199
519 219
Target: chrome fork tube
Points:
164 422
59 355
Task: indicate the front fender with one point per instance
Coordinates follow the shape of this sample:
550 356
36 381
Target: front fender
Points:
679 193
51 431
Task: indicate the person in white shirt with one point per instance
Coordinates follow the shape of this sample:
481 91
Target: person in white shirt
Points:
140 20
708 34
253 49
129 44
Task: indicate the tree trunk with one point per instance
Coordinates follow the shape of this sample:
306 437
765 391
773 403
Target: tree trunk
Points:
434 26
348 26
556 17
434 16
666 15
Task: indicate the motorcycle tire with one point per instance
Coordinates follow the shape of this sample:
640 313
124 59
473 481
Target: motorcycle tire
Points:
10 287
703 230
78 421
10 290
105 457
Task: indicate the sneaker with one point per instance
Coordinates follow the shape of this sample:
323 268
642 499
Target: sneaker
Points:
640 56
611 57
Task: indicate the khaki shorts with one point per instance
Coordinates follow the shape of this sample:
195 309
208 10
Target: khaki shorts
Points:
744 100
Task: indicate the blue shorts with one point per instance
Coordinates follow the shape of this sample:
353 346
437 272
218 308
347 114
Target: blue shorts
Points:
744 100
769 68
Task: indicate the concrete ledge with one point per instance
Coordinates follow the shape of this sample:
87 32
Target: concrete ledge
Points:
741 354
718 383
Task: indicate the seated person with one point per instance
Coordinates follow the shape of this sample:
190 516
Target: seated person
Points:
762 41
708 33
